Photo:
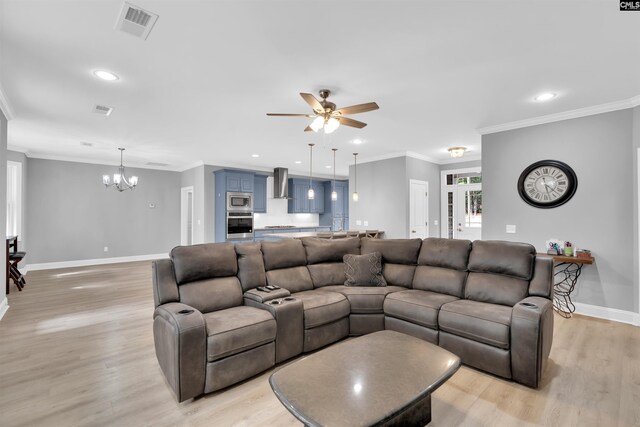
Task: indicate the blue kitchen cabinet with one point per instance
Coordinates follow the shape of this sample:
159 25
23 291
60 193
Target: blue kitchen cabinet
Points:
260 194
300 202
241 182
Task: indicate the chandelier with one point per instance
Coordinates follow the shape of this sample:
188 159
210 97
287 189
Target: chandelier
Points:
120 181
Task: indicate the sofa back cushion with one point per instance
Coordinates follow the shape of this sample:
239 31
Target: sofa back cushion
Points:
399 258
283 253
445 253
212 294
499 272
506 258
295 279
495 288
327 274
200 262
439 279
250 265
329 250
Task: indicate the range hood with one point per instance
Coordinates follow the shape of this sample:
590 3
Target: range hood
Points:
281 183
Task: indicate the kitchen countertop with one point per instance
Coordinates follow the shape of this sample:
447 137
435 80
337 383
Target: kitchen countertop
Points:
300 235
295 227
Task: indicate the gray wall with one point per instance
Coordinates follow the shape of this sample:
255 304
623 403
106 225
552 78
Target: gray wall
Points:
600 215
383 187
71 215
636 212
3 197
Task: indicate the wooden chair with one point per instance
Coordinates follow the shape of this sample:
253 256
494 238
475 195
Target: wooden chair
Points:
353 233
374 234
339 235
324 235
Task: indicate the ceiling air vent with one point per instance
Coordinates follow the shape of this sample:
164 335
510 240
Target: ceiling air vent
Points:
157 164
102 110
135 21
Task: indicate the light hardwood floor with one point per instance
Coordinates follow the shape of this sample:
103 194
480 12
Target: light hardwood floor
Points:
76 349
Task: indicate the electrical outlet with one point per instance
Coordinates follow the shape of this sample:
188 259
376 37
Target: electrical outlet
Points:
106 248
511 229
358 222
435 222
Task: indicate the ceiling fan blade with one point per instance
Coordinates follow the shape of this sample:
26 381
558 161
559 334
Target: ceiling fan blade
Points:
360 108
313 102
350 122
308 129
290 115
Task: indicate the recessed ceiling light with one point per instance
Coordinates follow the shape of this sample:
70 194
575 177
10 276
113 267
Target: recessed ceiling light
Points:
357 141
328 166
255 155
545 97
105 75
298 162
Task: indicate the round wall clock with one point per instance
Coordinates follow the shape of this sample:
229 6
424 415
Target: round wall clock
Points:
547 184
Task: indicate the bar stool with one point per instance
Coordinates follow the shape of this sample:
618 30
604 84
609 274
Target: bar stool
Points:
353 234
18 278
372 234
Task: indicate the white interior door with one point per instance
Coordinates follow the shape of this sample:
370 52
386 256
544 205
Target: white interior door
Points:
468 217
418 209
186 216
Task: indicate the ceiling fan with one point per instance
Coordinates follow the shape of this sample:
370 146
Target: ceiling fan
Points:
326 115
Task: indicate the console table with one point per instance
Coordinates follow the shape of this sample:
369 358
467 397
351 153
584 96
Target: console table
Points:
567 271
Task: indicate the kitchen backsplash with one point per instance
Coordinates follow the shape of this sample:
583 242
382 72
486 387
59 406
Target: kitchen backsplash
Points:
277 213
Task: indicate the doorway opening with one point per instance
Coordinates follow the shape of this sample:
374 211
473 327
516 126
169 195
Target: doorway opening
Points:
186 216
418 209
461 202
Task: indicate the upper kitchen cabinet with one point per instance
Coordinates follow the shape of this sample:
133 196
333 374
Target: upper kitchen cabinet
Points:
299 201
260 194
241 182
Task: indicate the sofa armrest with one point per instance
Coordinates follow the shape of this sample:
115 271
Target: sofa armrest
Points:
259 296
180 337
531 338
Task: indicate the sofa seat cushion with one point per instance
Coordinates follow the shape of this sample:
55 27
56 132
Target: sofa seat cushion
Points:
416 306
321 307
479 321
365 299
237 329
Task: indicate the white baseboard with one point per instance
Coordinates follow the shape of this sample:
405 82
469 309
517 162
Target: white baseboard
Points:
614 314
86 262
4 306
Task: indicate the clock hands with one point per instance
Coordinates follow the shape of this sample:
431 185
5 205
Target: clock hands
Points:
547 186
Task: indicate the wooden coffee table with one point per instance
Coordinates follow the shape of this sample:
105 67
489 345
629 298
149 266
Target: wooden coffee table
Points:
382 379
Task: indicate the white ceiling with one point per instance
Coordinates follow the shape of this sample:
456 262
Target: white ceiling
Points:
198 88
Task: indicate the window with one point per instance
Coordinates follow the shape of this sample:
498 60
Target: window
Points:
14 198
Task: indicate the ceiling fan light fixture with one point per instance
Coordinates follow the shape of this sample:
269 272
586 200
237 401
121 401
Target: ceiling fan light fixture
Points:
317 124
331 125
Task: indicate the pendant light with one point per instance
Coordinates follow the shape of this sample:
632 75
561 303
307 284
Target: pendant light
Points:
334 193
355 177
311 194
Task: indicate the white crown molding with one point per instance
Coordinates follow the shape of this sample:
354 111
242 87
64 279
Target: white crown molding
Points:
5 106
19 149
422 157
566 115
63 158
87 262
614 314
192 166
462 159
417 156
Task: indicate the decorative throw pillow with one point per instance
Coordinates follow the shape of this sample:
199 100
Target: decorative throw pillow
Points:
364 270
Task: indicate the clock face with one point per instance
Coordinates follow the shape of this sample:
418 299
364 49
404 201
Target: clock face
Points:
547 184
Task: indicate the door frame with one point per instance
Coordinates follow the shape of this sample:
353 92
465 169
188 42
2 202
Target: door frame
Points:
443 195
184 208
426 208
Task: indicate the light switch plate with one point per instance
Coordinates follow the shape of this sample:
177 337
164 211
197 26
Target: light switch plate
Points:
366 223
511 229
358 222
435 222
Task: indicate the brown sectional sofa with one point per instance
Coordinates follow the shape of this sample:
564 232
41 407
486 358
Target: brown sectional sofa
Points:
489 302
